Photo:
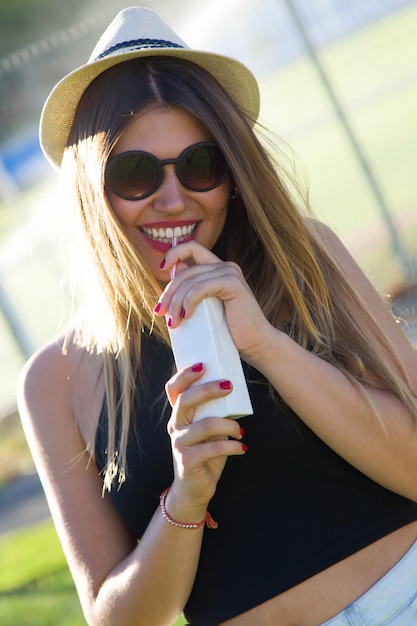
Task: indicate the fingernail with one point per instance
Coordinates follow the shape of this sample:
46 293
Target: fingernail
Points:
169 322
244 447
182 313
162 264
197 367
158 306
225 384
242 431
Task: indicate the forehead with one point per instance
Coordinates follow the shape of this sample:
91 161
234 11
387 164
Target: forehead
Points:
164 132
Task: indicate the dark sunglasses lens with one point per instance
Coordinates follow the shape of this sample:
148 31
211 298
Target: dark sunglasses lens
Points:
133 175
202 167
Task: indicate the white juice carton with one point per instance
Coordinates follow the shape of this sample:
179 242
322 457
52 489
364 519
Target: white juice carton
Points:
205 337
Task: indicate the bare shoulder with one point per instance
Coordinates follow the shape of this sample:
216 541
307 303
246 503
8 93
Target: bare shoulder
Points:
64 378
61 357
376 305
347 264
326 235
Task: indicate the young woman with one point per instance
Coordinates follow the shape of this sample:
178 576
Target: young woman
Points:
312 499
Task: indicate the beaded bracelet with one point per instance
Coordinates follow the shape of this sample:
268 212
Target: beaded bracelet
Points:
208 520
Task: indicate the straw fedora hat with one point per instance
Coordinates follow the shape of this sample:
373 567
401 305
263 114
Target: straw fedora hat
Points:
136 32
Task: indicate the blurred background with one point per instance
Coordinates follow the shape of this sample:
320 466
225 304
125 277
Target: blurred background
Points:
338 82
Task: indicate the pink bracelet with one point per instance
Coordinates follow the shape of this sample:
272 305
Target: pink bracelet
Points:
208 520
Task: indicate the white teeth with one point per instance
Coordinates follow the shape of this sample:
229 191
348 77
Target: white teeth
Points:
165 235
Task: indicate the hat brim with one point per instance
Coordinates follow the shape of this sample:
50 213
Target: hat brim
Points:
59 110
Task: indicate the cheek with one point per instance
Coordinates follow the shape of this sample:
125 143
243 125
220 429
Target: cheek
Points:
218 198
221 206
123 209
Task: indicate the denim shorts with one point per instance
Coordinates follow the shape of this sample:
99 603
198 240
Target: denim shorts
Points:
391 601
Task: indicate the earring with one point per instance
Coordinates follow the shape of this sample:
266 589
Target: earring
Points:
233 193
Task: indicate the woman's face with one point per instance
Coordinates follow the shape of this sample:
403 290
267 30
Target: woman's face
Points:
165 133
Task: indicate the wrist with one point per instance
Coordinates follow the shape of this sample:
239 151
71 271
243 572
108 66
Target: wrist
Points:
182 517
264 353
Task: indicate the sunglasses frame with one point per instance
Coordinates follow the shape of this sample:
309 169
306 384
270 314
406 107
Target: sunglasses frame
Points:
160 165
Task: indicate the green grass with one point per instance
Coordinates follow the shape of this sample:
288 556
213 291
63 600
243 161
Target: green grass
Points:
15 457
28 556
36 588
373 74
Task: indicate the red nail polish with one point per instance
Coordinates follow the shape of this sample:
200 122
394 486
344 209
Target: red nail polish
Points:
225 384
169 322
242 431
182 313
158 306
162 264
198 367
244 447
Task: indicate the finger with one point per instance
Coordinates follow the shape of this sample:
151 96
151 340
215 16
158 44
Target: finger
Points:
208 429
199 466
190 290
179 299
182 380
212 438
188 401
186 273
189 252
199 454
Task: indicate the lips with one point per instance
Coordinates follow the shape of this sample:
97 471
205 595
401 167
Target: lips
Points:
165 235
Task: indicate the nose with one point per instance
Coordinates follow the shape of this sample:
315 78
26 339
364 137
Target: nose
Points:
171 196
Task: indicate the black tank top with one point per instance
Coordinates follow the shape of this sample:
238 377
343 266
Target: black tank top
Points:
288 509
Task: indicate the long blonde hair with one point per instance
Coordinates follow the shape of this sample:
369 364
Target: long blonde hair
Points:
292 275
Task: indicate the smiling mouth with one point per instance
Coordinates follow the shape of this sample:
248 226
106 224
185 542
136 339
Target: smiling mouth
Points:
165 235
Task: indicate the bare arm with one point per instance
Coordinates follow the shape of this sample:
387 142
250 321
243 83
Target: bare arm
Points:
118 581
382 445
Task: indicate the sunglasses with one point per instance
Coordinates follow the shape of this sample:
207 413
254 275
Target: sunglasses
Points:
135 175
